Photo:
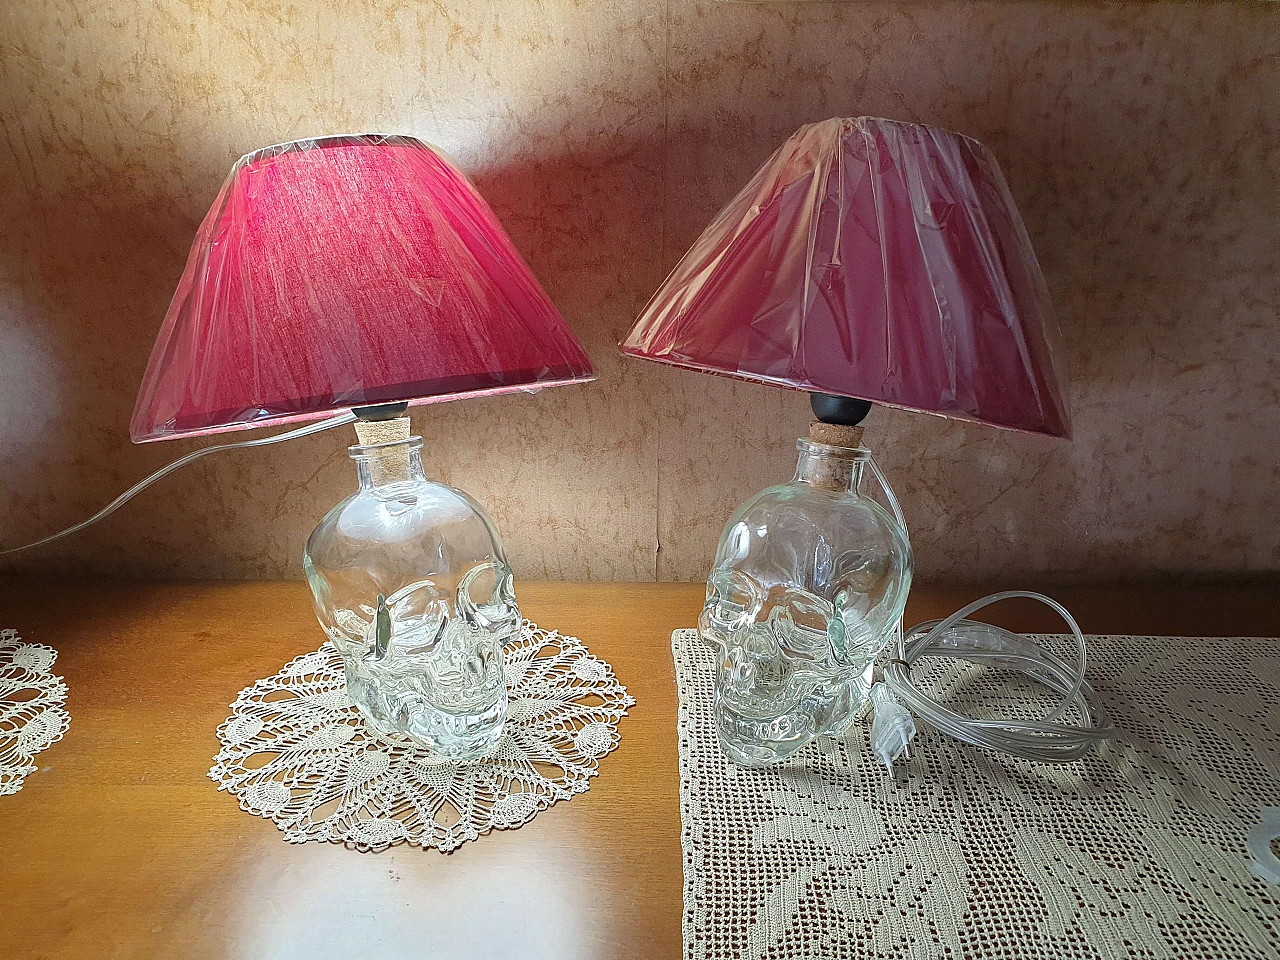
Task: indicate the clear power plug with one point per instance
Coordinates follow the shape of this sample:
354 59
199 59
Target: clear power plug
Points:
892 727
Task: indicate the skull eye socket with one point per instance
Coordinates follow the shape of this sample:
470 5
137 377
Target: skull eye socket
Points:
486 597
799 619
802 609
733 602
421 600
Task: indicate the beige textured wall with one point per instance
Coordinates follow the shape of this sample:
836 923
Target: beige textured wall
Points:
1142 142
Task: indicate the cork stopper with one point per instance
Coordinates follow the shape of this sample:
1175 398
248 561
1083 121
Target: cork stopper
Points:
831 472
373 432
393 465
834 434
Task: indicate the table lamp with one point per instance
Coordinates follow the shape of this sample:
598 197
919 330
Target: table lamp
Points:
349 277
868 261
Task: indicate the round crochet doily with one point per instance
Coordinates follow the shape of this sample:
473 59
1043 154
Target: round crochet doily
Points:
33 714
296 750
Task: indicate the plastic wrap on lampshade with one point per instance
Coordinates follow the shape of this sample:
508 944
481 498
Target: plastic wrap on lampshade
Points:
341 272
873 259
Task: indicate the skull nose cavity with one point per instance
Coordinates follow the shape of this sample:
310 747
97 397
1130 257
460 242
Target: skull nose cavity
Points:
742 672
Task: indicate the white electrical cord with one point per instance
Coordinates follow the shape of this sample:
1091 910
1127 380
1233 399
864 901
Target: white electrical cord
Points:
1048 739
141 485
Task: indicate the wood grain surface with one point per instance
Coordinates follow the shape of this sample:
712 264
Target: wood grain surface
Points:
119 846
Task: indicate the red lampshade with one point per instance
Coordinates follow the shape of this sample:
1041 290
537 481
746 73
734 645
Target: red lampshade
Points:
871 259
345 272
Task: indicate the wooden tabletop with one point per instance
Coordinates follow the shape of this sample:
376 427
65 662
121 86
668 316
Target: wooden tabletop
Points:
120 846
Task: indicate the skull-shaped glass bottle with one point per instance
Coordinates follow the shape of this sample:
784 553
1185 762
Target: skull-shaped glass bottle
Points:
410 583
809 584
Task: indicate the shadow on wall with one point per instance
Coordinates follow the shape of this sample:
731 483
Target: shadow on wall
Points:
1133 139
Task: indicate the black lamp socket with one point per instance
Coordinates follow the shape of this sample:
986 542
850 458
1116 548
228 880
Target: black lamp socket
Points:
381 411
842 411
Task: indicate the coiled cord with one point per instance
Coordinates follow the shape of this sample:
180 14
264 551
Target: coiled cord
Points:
1048 739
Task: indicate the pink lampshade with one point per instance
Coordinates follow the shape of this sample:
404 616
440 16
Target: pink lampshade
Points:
872 259
344 272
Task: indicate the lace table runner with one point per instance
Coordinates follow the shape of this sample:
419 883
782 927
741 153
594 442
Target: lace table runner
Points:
1137 852
296 750
33 713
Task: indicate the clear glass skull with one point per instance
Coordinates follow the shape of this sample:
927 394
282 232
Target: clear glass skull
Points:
410 583
809 584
